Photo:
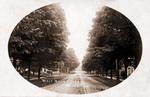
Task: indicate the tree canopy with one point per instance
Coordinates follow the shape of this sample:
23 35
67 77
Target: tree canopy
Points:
113 36
40 40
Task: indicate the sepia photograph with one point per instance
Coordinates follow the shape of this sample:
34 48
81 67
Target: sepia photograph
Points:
53 49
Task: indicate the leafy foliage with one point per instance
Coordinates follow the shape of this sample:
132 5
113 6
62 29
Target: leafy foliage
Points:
39 40
112 37
71 60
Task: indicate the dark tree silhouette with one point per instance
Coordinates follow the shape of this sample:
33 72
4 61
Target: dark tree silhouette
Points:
113 41
39 41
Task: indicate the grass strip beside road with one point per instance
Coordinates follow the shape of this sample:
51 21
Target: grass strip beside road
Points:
106 81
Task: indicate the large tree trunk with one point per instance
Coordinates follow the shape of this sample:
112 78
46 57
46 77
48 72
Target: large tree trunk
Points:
34 73
125 71
117 69
111 73
39 71
106 73
29 70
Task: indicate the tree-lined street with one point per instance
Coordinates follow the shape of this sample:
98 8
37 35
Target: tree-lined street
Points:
39 44
39 50
114 44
